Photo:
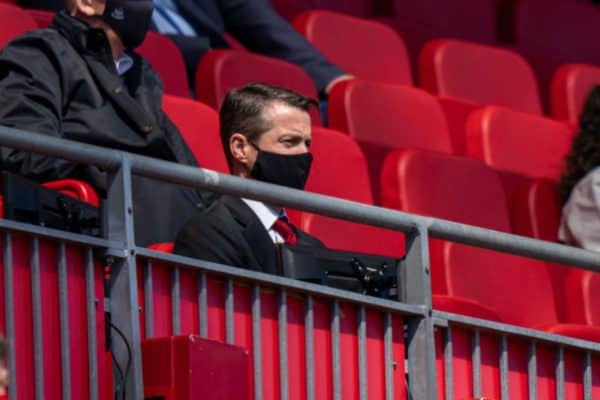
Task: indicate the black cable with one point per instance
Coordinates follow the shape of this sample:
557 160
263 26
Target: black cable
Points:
129 359
119 385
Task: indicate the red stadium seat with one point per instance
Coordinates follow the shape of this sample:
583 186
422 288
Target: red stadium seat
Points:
383 117
518 142
199 125
43 18
166 59
536 210
518 290
570 86
77 189
480 74
162 247
349 42
345 176
467 191
219 71
583 303
552 33
14 22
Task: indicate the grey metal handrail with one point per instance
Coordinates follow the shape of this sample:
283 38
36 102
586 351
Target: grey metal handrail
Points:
421 319
326 205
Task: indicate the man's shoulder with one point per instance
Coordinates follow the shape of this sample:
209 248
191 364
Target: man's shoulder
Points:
39 39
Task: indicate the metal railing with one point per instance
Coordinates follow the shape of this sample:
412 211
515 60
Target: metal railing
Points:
420 318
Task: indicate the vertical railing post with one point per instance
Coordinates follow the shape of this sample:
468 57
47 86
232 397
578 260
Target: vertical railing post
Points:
420 339
123 301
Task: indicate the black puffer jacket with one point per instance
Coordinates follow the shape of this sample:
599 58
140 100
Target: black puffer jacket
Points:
63 82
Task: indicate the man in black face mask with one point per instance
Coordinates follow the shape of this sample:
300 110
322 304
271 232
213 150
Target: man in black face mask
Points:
266 134
80 80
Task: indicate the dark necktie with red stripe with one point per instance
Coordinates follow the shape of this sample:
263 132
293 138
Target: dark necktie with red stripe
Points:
286 230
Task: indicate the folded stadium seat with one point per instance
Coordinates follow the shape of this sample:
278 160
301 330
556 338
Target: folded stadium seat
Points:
480 74
349 42
516 289
570 86
423 20
43 18
199 126
166 59
536 209
518 142
554 33
384 117
520 146
538 214
467 191
219 71
344 176
14 22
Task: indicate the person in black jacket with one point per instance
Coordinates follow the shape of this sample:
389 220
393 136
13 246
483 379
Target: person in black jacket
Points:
197 26
266 133
79 81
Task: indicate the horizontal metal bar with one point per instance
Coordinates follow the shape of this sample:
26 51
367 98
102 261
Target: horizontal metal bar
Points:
517 331
272 194
7 225
259 277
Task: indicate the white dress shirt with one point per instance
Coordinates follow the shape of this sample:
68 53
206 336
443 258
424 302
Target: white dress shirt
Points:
267 217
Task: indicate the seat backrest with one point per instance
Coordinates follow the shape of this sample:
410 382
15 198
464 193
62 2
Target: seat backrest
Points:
464 190
570 86
43 18
536 209
365 49
165 57
219 71
344 175
199 126
583 302
478 73
14 22
384 117
518 142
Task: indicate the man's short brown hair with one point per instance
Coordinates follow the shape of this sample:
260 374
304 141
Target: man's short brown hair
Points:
242 111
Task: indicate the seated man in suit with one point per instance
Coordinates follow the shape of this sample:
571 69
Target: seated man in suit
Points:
80 80
266 134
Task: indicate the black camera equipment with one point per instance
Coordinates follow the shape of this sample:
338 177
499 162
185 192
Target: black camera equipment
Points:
369 274
27 201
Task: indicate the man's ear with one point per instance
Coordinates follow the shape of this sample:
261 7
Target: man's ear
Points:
238 148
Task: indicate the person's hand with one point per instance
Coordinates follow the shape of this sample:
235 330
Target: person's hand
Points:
337 80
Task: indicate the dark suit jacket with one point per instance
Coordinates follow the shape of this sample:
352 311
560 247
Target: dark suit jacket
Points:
258 27
229 232
62 82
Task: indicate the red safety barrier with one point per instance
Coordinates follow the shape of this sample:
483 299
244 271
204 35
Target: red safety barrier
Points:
36 274
192 288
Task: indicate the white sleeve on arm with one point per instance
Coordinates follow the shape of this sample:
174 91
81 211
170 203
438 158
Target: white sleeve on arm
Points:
580 223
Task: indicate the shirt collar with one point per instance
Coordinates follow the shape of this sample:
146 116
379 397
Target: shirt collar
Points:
267 215
123 63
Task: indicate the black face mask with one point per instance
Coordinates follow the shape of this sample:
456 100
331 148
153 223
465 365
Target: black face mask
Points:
282 169
130 19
